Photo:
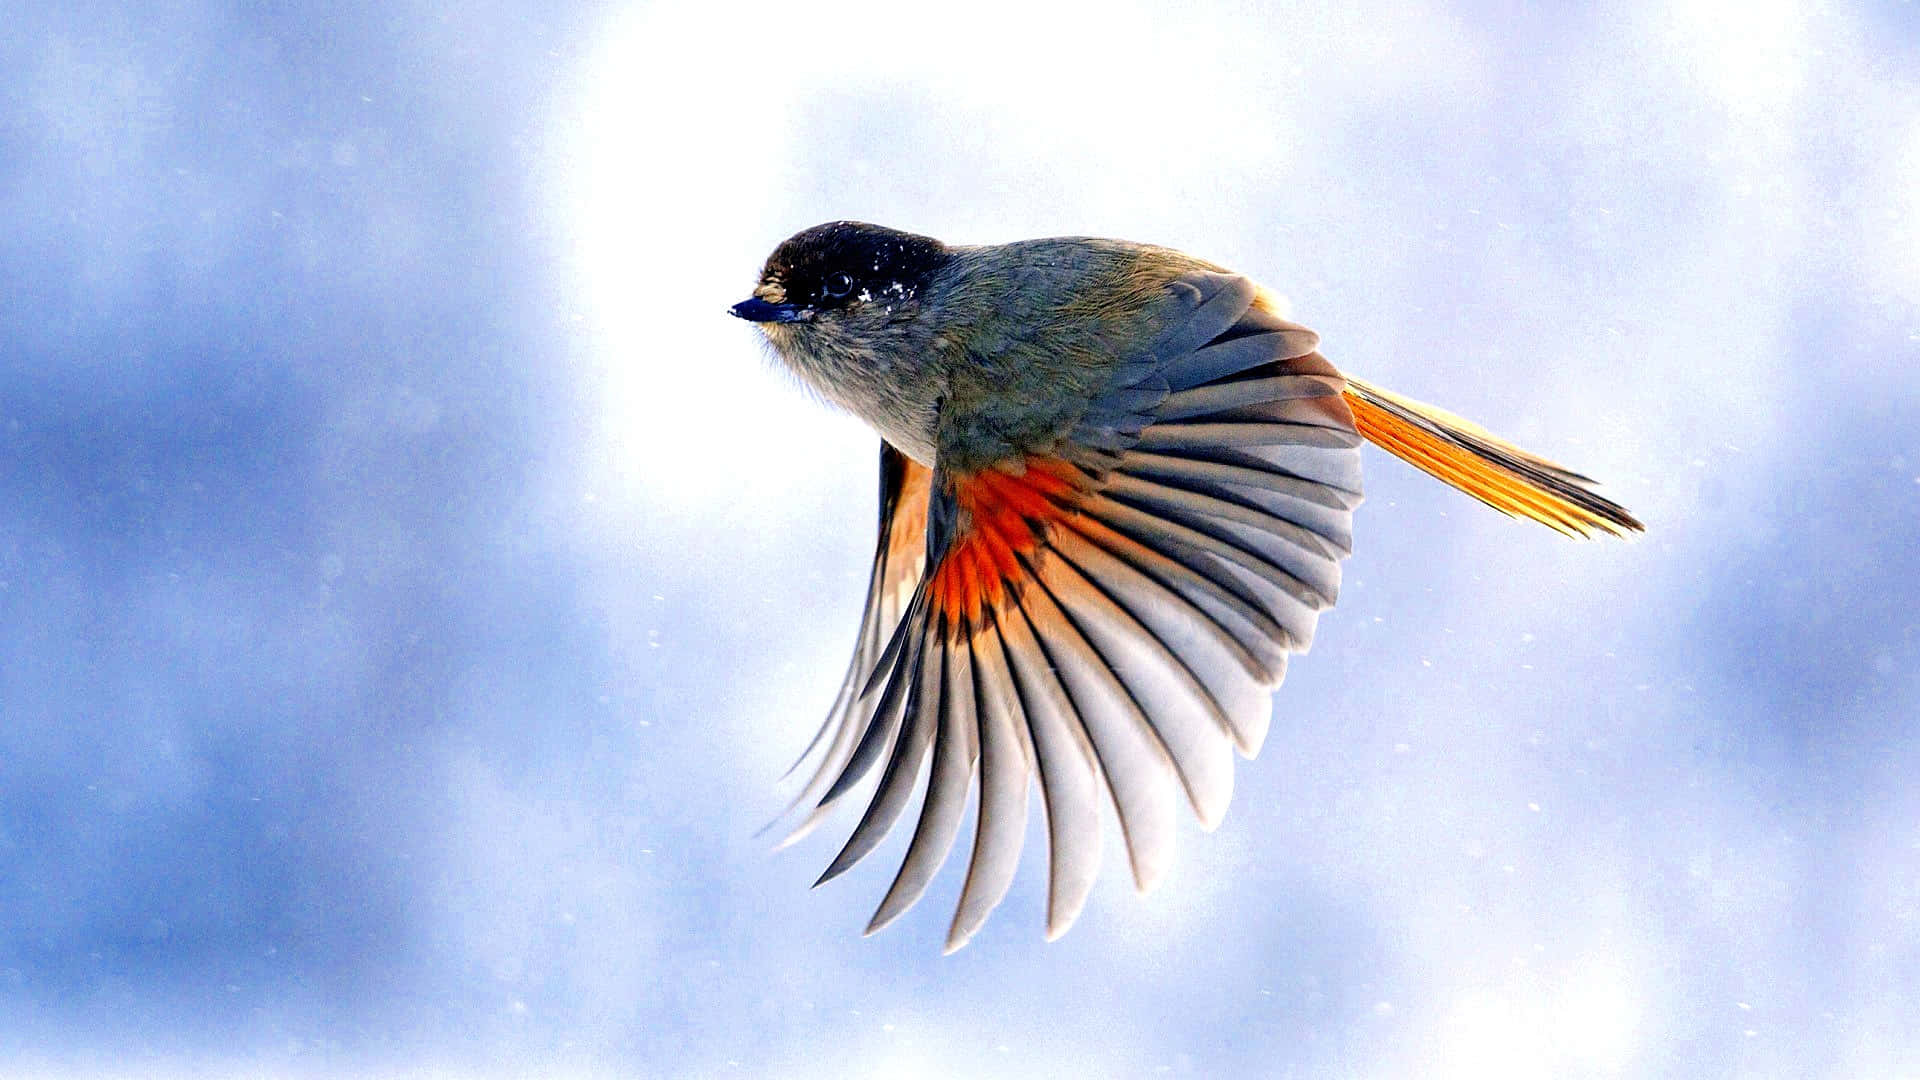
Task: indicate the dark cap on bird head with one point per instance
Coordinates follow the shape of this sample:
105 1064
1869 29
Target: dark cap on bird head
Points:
839 263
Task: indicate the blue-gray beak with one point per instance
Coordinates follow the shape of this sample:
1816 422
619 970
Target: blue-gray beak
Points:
758 310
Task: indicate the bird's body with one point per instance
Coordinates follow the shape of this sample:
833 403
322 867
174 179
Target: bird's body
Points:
1116 487
1008 342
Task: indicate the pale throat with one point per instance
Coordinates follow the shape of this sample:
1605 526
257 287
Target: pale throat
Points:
897 397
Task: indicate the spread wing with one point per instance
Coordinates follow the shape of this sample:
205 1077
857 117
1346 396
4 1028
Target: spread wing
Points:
1108 616
898 560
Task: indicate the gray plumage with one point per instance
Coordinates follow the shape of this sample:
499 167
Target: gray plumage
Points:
1116 489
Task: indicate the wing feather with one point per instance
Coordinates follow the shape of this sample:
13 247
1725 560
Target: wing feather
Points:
1134 764
954 754
1000 830
898 562
1158 723
1069 773
919 716
1108 617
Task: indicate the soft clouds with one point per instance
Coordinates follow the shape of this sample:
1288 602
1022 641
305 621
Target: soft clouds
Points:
412 582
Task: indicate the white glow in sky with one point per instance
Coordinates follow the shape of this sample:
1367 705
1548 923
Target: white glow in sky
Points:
689 150
412 581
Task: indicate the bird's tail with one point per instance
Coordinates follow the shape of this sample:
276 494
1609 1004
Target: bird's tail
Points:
1496 472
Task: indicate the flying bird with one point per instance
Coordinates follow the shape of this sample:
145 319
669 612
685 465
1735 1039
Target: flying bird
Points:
1116 486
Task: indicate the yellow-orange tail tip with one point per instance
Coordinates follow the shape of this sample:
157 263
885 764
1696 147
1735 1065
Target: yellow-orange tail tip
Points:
1484 466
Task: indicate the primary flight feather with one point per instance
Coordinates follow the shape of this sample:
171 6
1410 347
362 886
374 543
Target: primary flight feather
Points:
1115 490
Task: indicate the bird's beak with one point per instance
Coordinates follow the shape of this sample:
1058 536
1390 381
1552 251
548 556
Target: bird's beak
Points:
758 310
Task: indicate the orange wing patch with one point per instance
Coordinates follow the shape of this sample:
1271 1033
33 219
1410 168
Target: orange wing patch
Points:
1003 520
907 530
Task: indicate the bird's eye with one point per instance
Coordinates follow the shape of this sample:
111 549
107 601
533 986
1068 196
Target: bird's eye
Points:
836 286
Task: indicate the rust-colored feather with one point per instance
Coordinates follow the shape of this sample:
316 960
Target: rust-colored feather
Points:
1004 517
1496 472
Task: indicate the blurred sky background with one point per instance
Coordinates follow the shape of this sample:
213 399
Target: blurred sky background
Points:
412 583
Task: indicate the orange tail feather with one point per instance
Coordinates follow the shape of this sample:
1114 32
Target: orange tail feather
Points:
1497 473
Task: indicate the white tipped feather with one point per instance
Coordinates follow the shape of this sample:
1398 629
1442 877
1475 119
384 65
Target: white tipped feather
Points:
1069 775
1134 766
1000 829
1325 511
1309 558
919 717
954 754
1196 694
1152 696
1128 642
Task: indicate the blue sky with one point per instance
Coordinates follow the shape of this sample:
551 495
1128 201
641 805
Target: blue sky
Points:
412 584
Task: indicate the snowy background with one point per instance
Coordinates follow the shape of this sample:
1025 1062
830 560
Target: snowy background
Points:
412 583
